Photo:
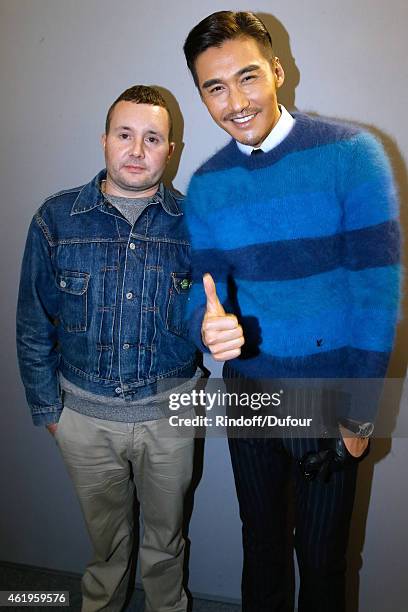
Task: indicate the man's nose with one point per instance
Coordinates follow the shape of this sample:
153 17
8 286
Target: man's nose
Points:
137 149
238 100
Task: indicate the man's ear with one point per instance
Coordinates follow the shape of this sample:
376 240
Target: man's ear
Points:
103 141
172 146
278 72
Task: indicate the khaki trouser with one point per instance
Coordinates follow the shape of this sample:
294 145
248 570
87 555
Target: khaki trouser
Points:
99 455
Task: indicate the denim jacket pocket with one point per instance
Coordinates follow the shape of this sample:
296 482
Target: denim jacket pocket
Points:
73 311
179 292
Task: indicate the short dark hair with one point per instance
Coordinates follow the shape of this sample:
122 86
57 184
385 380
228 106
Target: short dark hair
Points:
141 94
215 29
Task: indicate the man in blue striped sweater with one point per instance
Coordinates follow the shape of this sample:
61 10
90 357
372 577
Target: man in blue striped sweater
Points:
296 221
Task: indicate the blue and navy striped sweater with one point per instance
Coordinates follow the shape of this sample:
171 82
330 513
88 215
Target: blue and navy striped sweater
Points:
303 244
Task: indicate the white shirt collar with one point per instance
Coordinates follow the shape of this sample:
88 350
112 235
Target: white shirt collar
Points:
276 136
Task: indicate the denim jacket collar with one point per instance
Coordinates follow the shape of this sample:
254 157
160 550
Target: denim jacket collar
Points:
91 196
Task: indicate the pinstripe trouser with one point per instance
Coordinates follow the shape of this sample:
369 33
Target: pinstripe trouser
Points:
263 470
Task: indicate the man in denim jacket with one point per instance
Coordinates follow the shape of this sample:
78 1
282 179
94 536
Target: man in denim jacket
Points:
101 338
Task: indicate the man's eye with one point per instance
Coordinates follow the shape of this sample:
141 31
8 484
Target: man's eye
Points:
152 139
248 77
124 136
216 89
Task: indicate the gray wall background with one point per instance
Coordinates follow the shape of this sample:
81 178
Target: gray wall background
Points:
62 64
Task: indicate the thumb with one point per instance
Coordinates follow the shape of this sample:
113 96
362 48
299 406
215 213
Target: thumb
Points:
214 307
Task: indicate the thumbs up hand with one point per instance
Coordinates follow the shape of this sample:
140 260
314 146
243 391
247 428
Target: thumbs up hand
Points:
221 332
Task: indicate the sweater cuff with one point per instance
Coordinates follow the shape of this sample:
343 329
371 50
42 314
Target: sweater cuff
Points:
363 399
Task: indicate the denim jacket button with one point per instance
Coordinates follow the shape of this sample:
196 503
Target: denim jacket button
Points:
126 346
118 390
129 295
132 246
63 283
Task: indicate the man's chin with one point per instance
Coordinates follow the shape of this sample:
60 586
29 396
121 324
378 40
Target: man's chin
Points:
246 139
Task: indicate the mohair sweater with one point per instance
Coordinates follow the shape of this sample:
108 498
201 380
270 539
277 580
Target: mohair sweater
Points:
303 245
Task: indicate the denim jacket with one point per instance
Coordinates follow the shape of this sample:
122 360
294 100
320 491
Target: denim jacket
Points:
102 302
